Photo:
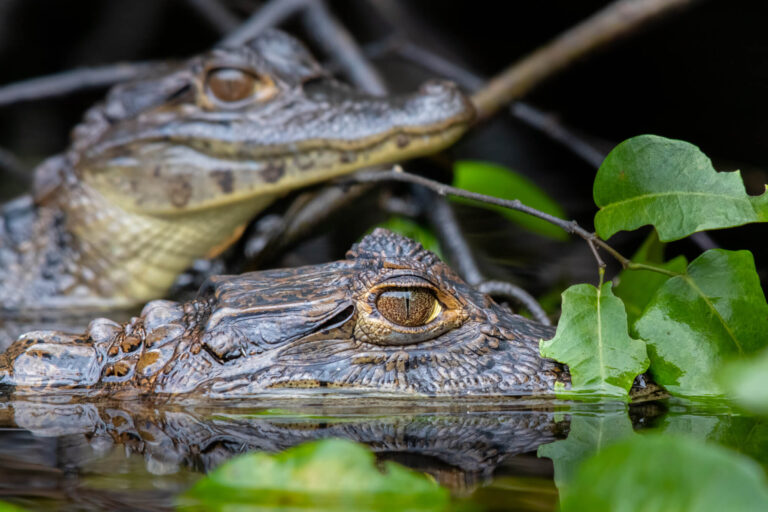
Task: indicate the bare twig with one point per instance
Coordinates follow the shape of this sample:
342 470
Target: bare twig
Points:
10 164
613 21
216 14
271 14
510 291
446 226
307 211
337 41
68 82
548 124
437 64
542 121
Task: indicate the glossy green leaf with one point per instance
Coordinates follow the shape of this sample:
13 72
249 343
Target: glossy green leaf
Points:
667 473
8 507
592 339
697 321
413 230
672 185
498 181
589 433
331 474
636 287
746 381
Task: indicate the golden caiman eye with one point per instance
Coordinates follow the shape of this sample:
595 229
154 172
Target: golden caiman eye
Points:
233 85
409 307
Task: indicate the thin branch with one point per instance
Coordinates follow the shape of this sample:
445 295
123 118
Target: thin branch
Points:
615 20
216 14
442 189
328 32
509 290
446 226
438 64
271 14
10 164
549 125
67 82
545 122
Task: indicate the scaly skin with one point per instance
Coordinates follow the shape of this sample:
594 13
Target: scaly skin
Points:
320 326
171 168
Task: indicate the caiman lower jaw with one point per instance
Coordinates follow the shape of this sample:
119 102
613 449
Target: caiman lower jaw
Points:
214 176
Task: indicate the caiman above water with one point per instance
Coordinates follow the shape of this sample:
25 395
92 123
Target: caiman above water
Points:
391 318
170 168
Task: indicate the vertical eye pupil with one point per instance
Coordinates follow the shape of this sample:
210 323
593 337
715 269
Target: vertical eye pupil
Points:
409 307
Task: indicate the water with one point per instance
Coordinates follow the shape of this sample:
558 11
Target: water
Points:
135 455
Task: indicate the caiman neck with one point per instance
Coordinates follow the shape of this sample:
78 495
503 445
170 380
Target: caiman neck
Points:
127 258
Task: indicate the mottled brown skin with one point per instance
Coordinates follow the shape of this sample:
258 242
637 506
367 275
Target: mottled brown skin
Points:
310 327
170 168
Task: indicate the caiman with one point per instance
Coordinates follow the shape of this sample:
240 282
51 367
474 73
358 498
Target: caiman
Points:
171 168
390 318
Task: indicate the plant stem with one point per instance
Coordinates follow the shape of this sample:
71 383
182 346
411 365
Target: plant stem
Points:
616 19
644 266
572 227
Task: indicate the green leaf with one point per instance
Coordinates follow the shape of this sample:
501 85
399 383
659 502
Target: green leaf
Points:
746 382
331 474
636 287
590 432
414 231
498 181
8 507
697 321
667 473
672 185
592 340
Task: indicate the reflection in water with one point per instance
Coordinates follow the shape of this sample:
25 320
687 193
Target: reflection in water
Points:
99 455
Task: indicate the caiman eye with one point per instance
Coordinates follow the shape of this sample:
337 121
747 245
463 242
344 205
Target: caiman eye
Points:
231 85
409 307
406 309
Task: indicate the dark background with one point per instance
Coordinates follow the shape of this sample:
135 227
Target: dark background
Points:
699 75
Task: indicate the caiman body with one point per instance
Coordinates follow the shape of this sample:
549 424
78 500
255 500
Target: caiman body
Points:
391 318
171 168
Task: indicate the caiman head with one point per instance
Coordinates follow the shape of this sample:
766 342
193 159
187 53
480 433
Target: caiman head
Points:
170 168
391 318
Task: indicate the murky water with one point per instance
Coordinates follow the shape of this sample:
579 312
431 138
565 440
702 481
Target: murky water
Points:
133 455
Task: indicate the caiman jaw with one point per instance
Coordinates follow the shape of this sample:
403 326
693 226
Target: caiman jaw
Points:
295 140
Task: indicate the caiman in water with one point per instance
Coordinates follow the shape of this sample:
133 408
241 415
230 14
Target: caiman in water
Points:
391 318
170 168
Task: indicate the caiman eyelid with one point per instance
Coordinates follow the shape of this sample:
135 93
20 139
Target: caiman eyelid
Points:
180 93
339 318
